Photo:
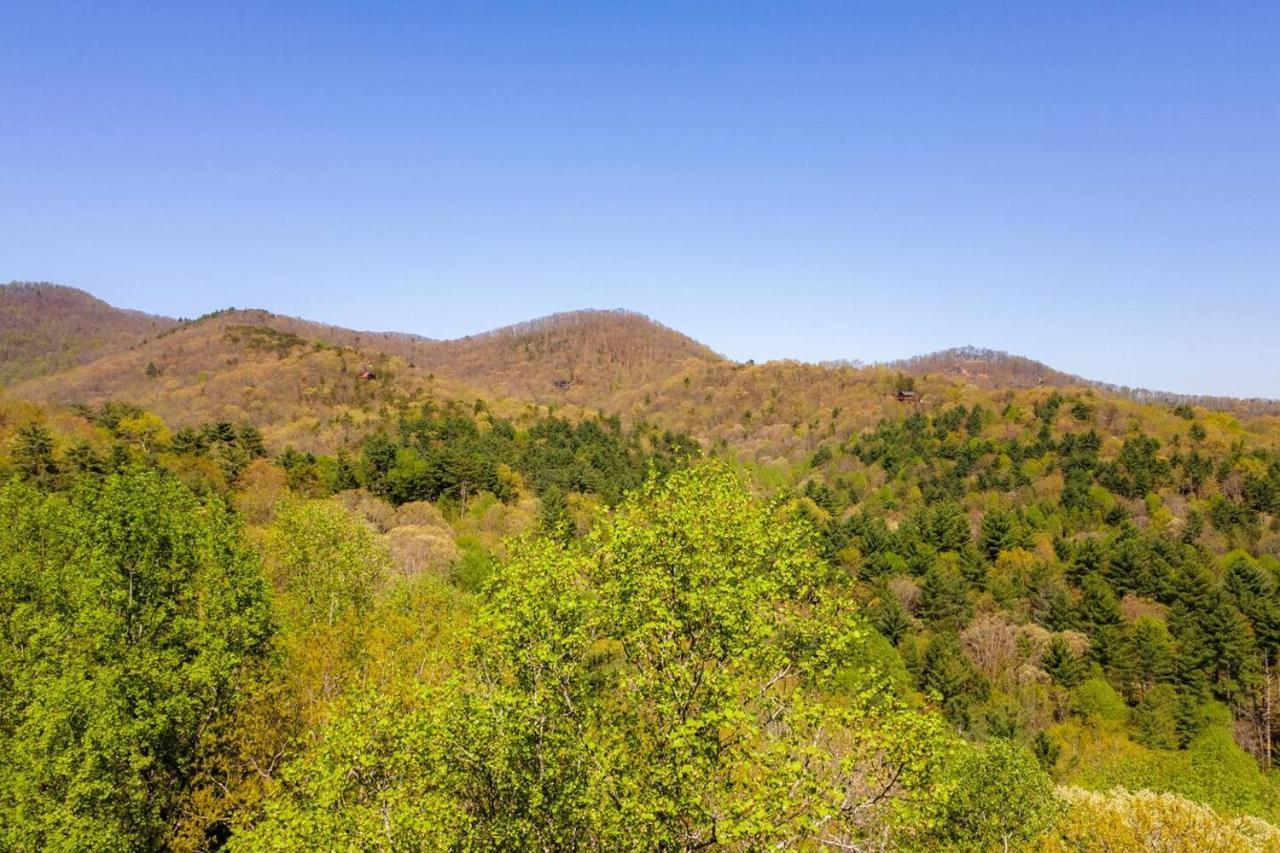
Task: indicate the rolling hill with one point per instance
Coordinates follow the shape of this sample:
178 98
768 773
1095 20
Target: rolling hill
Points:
993 530
308 384
580 356
46 328
301 382
988 368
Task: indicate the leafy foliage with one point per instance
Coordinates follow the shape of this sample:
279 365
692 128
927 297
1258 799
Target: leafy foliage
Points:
517 622
1120 820
673 681
130 611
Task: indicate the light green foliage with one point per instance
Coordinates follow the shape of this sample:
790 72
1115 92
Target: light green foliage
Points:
1155 718
685 677
1213 770
998 798
145 431
128 611
689 668
361 683
474 566
377 780
721 619
1098 701
326 561
1118 820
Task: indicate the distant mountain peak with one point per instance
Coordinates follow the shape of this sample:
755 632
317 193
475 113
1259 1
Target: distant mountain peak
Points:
974 353
991 368
46 328
987 368
575 352
73 346
591 319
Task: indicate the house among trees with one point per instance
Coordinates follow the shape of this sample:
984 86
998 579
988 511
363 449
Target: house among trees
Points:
368 374
904 388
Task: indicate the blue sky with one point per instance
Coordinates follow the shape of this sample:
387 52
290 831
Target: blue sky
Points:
1094 185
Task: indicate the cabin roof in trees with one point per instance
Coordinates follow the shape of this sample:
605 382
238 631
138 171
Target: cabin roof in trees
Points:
902 396
367 374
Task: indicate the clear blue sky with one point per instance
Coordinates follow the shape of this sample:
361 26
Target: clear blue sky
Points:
1094 185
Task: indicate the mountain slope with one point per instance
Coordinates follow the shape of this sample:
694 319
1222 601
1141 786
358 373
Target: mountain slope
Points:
987 368
580 356
45 328
300 382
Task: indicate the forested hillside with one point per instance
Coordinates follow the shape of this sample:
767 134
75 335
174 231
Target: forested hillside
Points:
45 328
299 383
267 584
995 369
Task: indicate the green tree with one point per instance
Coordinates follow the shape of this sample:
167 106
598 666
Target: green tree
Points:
1062 664
145 430
1098 605
1001 531
32 455
553 513
1000 799
949 674
943 602
344 474
891 619
130 610
721 614
327 562
1155 718
947 527
681 678
1137 470
1152 652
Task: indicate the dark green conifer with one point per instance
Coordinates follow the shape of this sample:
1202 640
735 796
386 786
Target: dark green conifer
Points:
1061 664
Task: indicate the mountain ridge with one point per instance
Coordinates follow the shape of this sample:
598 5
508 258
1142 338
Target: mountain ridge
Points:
318 385
965 363
46 328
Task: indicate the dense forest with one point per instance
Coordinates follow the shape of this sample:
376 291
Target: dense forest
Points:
735 615
965 628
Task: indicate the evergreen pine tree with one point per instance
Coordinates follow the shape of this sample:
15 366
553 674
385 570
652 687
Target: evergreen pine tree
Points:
1152 653
892 620
344 474
1192 654
943 602
948 527
1000 532
32 455
554 513
1061 664
1098 606
947 672
1046 751
973 567
1087 556
1059 616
